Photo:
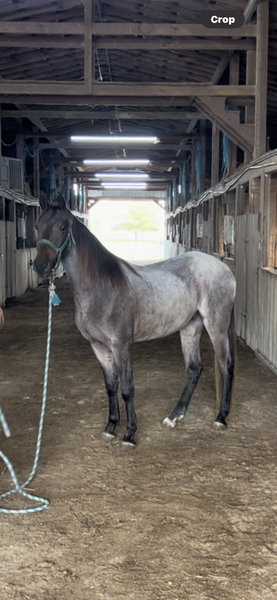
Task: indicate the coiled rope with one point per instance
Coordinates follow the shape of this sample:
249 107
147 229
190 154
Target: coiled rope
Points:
54 300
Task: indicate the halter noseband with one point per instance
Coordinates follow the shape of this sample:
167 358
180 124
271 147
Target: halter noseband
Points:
69 240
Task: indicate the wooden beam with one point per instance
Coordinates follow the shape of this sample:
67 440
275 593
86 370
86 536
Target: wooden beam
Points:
215 155
87 101
102 146
129 29
95 115
49 28
113 90
220 69
250 9
250 79
220 44
204 154
39 42
130 43
227 121
36 169
247 13
234 80
261 79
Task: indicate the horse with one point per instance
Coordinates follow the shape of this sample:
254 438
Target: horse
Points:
118 303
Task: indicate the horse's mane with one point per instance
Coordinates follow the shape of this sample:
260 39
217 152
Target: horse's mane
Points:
95 261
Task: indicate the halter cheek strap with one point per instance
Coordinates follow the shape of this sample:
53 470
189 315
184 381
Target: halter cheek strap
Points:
69 240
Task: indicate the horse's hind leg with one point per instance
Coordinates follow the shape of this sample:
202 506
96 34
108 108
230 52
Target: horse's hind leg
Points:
106 360
190 341
223 340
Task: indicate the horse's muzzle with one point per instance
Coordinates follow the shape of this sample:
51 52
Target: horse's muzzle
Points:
43 267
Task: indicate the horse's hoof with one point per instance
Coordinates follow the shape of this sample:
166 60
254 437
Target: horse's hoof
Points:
169 422
108 436
128 444
219 426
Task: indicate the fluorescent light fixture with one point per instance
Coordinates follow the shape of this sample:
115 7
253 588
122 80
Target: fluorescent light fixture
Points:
124 185
121 175
75 188
116 161
115 139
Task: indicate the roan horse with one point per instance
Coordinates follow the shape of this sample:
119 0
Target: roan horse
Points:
117 303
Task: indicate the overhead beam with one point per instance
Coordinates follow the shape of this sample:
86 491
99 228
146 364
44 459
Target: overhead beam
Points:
129 29
250 9
227 121
86 100
220 69
100 146
220 44
113 90
247 13
101 115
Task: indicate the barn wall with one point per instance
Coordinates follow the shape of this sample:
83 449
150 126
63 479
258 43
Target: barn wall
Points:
25 275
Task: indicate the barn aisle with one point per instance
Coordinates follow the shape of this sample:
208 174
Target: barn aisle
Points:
188 513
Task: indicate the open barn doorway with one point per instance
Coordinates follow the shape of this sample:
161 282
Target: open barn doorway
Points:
133 230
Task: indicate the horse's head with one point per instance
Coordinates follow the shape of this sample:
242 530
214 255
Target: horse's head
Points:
53 232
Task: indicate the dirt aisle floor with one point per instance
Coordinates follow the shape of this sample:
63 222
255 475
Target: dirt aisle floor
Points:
189 513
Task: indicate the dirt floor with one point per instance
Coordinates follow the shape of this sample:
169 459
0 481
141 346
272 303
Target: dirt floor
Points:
189 513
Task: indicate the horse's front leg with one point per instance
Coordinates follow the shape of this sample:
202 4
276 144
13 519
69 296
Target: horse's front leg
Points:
123 361
106 360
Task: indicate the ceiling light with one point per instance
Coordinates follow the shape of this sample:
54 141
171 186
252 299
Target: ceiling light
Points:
124 185
113 139
116 161
121 175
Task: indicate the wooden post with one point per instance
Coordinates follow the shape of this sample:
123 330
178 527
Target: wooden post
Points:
88 52
234 79
193 172
215 155
19 139
250 79
36 167
203 164
261 79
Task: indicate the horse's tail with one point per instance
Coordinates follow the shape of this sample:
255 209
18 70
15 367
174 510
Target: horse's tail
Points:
232 358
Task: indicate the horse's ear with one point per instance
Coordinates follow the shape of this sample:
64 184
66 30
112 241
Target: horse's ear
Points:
43 200
60 200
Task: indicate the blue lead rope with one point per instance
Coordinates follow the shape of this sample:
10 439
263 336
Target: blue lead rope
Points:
54 300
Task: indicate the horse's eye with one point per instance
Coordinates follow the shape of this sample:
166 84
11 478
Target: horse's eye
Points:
62 227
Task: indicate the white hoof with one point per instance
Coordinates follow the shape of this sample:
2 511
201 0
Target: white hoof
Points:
128 444
220 426
108 436
169 422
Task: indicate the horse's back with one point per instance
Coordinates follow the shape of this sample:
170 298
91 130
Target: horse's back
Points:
192 267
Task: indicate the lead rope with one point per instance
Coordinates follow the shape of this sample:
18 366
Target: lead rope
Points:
54 300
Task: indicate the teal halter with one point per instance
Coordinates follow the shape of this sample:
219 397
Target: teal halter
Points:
69 240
